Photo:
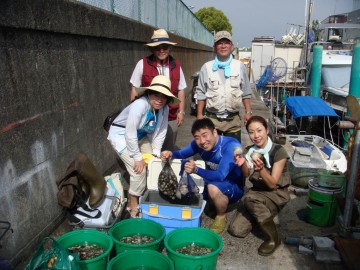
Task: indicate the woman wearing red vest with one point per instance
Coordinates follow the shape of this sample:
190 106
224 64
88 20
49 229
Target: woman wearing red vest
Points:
160 62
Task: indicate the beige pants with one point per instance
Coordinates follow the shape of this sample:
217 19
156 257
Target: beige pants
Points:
137 181
233 125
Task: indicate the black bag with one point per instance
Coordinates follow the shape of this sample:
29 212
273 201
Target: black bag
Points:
167 182
187 191
73 193
110 119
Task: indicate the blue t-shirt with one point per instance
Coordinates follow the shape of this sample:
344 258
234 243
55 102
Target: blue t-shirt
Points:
220 165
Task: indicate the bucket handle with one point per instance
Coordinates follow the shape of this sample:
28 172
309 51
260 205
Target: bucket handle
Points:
309 206
173 218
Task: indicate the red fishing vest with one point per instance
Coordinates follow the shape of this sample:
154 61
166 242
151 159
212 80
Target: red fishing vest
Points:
150 71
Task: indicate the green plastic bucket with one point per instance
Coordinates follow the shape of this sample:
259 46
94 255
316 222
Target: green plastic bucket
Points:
199 236
322 205
79 237
141 259
332 179
133 226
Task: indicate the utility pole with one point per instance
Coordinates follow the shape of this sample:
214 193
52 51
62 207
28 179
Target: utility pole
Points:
308 17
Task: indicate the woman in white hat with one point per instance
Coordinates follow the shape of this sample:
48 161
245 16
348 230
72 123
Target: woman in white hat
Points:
160 62
141 129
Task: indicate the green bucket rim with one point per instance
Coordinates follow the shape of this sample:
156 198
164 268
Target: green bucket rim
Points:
313 186
194 229
132 221
140 251
84 231
330 172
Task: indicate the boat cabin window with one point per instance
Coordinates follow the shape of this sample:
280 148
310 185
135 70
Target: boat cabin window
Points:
334 35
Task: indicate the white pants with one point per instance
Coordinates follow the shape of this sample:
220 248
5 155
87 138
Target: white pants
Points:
137 181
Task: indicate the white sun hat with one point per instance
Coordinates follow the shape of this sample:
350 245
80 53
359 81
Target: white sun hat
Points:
162 85
160 36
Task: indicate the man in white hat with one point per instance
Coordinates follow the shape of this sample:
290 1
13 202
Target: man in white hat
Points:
223 85
160 62
141 129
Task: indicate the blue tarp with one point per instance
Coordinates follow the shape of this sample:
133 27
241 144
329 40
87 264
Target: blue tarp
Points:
308 106
264 78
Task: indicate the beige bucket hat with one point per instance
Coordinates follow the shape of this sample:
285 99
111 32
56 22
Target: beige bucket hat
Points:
162 85
160 36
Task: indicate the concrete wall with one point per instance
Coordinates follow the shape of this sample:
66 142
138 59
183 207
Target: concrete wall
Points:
63 67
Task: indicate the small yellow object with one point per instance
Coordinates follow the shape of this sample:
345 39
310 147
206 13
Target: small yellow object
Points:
185 213
154 209
146 157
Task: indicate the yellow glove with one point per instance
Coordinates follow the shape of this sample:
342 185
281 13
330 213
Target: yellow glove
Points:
146 157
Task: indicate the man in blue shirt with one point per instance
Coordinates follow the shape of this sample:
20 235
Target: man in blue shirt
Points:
224 182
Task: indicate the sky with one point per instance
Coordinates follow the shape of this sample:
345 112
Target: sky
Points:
253 18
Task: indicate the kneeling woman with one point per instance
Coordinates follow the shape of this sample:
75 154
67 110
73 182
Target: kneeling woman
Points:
140 129
265 165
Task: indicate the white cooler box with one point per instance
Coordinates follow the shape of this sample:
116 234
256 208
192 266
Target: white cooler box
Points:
170 215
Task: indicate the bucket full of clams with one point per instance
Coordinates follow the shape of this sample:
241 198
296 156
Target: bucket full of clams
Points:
193 248
91 246
137 233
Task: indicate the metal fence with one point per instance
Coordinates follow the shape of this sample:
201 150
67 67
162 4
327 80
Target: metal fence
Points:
172 15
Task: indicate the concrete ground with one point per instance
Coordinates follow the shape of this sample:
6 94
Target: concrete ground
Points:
241 253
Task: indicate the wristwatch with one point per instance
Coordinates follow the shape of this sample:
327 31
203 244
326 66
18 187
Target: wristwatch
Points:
250 112
183 113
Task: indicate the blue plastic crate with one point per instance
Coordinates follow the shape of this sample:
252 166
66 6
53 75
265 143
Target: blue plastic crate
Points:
171 216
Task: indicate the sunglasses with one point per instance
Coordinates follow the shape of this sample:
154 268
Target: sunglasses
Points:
163 47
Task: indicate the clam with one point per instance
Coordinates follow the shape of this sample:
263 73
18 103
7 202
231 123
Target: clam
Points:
183 189
178 194
194 250
137 239
87 251
256 156
167 182
238 150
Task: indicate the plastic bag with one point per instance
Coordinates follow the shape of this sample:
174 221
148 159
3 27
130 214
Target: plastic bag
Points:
167 182
56 257
187 190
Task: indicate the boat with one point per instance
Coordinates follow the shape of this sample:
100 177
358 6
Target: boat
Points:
337 35
335 74
308 153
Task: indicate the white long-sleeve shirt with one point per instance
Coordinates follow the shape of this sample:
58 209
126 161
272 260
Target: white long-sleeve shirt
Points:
133 118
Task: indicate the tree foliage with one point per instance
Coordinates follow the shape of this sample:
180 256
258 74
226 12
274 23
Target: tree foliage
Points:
214 19
315 27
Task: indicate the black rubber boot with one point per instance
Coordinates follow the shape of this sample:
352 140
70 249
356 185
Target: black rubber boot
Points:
269 246
88 173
